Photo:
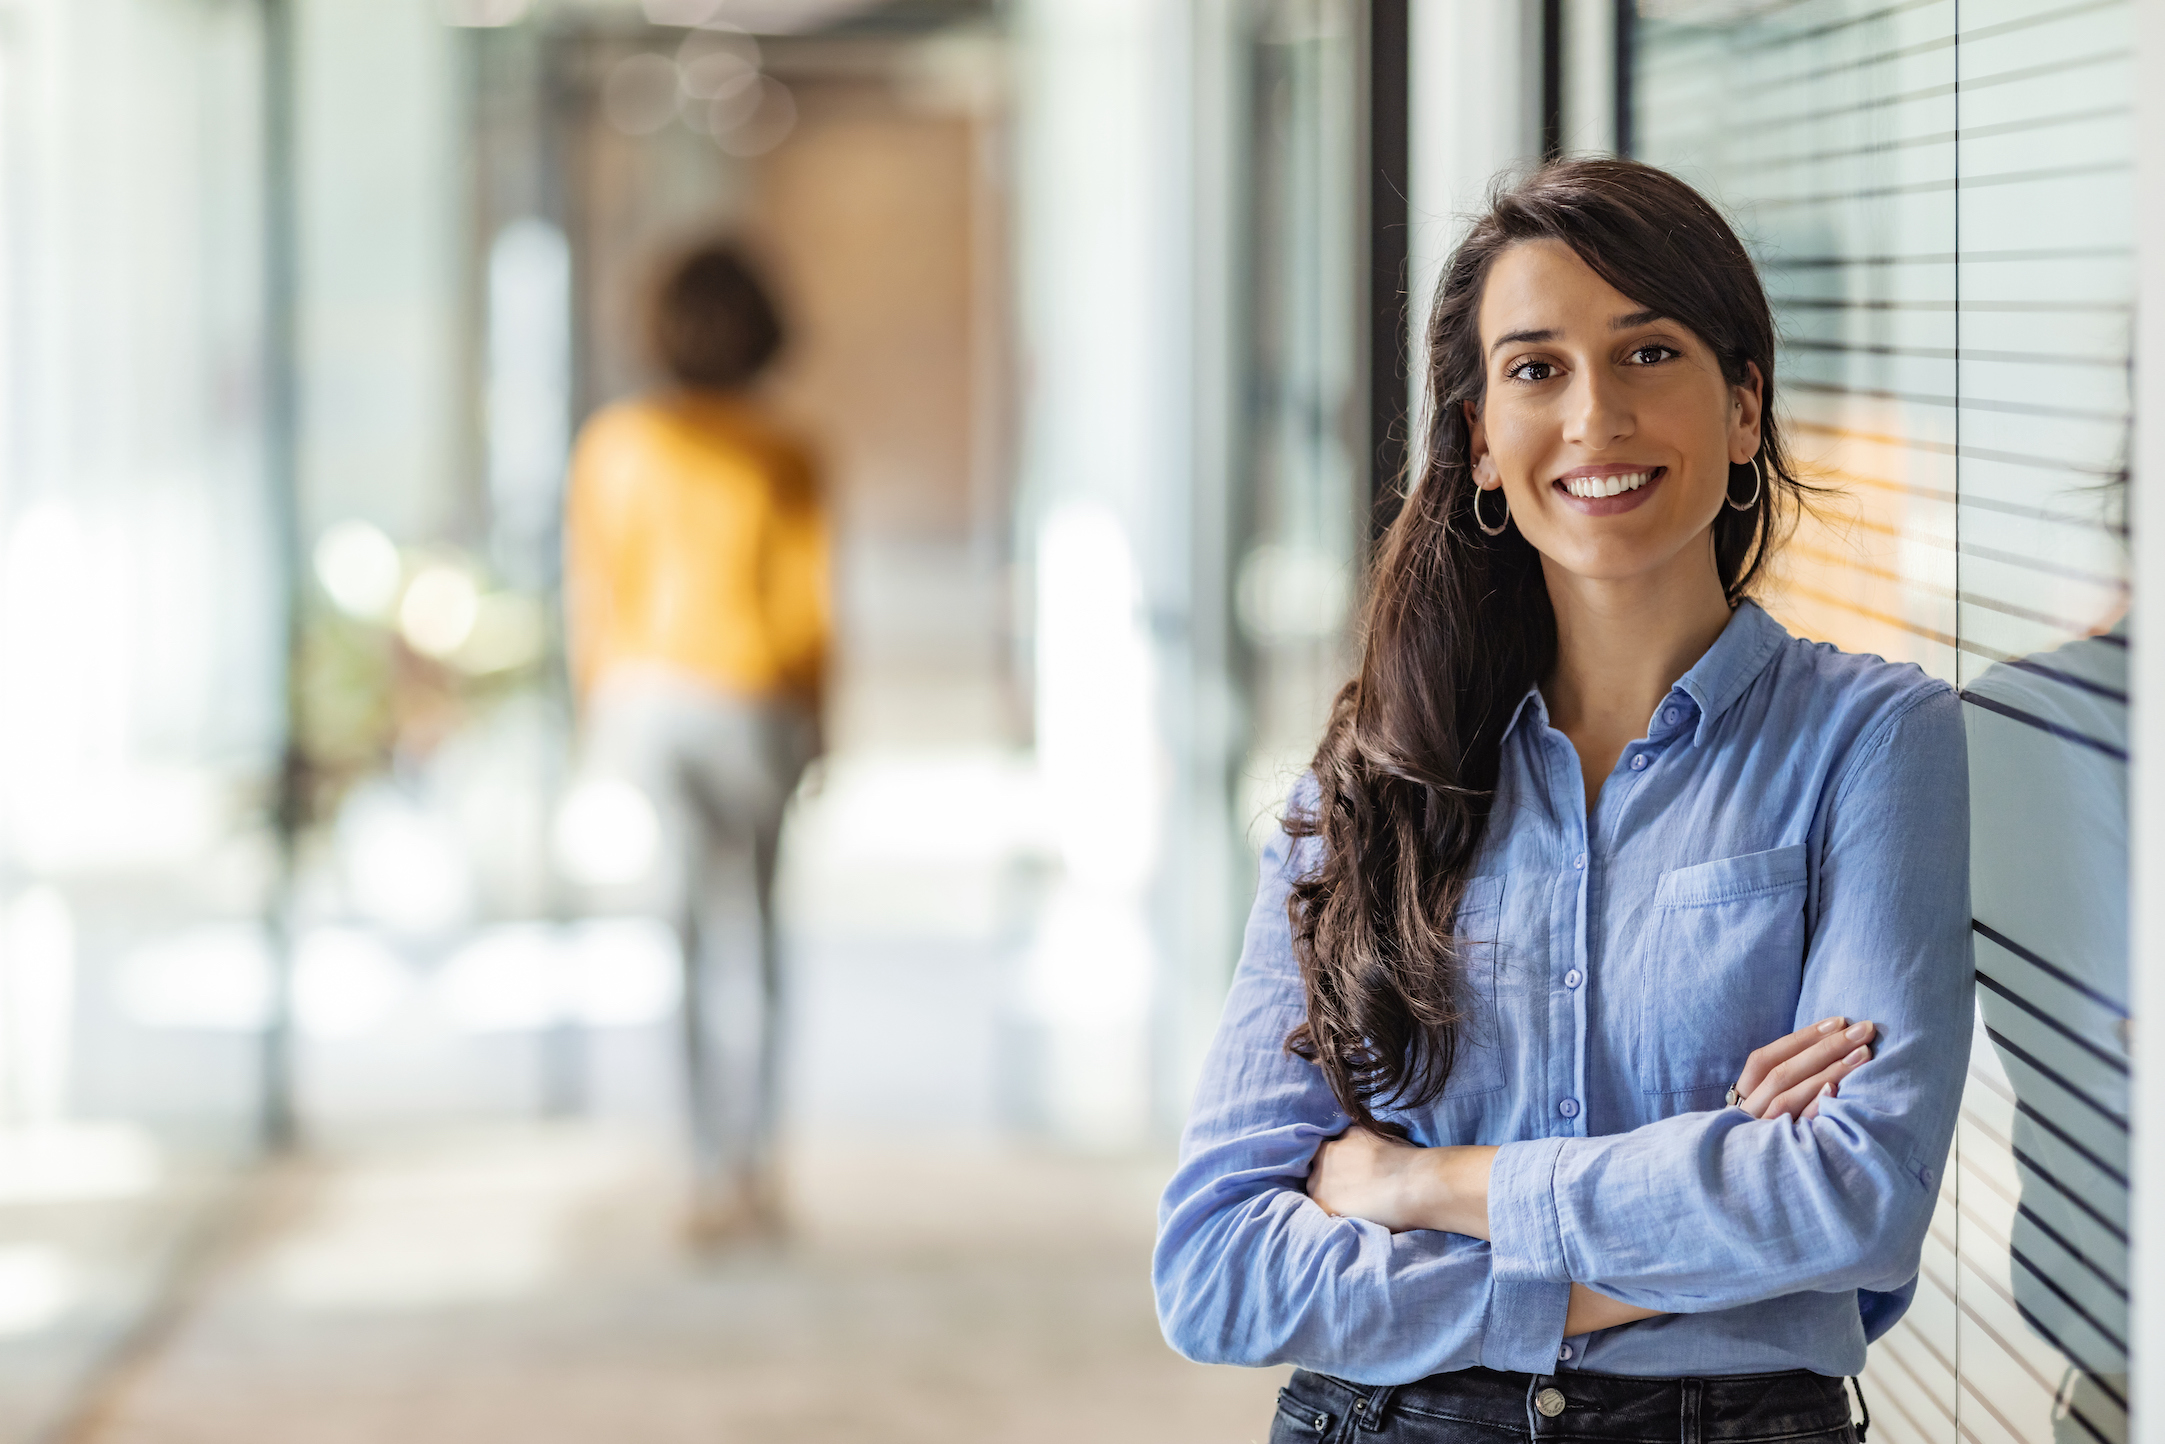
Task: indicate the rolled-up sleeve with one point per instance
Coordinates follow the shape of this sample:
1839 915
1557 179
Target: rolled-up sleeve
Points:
1707 1211
1249 1270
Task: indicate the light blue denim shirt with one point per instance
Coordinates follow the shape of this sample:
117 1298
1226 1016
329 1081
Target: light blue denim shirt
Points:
1790 841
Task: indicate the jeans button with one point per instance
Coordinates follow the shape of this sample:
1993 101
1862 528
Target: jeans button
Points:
1550 1402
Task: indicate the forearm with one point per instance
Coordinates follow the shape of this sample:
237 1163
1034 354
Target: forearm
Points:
1265 1277
1440 1191
1590 1312
1709 1211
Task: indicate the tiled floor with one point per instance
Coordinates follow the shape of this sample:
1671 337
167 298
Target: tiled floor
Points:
524 1286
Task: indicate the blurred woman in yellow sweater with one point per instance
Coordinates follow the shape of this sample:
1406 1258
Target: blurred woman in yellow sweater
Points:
696 587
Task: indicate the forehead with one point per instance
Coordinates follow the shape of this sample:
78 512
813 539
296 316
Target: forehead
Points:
1544 286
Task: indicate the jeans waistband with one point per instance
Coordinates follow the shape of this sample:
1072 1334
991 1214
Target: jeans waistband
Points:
1722 1409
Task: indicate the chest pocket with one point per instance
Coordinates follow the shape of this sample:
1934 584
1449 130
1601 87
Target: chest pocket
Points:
1725 971
1479 1065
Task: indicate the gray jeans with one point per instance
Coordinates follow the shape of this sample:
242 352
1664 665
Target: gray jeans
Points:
719 770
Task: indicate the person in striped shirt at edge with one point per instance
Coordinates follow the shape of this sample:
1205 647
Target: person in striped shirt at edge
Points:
1599 1031
696 558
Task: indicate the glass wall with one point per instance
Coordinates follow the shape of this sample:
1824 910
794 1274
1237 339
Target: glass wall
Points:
141 643
1940 197
1300 476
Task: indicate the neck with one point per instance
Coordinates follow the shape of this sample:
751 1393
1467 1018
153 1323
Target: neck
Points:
1622 643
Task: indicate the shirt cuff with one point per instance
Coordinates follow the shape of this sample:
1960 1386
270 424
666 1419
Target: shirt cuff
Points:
1525 1328
1526 1242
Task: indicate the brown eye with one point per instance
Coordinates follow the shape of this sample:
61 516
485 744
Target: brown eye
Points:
1653 355
1526 371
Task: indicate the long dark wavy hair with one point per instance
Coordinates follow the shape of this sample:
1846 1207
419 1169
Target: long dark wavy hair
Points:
1457 625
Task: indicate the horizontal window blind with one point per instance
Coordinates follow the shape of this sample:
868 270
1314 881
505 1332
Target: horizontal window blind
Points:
1939 194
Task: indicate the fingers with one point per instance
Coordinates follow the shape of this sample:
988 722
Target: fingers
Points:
1827 1060
1811 1109
1803 1100
1781 1050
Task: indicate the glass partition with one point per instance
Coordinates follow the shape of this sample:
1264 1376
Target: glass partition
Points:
1297 503
141 645
1939 196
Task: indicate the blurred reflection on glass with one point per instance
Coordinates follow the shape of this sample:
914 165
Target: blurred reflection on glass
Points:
2050 729
696 588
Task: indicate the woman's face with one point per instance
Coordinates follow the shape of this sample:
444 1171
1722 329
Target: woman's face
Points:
1609 428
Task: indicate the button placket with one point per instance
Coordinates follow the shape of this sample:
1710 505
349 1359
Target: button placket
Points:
1567 1108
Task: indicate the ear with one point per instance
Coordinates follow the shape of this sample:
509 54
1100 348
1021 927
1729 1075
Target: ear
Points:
1476 433
1747 405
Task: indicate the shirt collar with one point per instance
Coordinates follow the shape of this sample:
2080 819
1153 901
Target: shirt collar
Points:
1714 682
1732 664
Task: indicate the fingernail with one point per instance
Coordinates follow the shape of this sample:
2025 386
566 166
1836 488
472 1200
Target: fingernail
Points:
1826 1090
1858 1056
1859 1033
1831 1024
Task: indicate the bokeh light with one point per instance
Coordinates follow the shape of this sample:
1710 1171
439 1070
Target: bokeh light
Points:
347 982
681 12
359 569
755 120
439 610
606 833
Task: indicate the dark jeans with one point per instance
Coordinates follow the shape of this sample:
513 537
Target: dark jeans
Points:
1483 1406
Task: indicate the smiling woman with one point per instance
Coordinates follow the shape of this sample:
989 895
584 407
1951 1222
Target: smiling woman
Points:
1540 1060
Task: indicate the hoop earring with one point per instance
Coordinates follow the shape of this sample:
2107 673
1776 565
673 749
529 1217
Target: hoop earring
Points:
1759 484
1498 528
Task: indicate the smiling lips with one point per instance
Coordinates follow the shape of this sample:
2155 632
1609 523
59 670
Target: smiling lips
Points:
1592 487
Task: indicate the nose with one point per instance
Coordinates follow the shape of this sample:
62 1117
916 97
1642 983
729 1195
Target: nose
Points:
1597 410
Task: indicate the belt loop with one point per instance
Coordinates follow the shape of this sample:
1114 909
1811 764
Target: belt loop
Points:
1864 1424
1689 1410
1533 1430
1374 1406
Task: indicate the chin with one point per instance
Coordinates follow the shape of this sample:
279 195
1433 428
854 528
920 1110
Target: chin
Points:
1614 560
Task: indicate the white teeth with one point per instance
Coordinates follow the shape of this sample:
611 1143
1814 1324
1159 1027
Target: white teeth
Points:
1596 486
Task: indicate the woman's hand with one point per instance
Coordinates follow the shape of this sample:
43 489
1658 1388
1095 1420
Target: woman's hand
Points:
1789 1076
1401 1185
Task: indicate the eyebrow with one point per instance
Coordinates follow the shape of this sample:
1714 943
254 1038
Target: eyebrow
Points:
1513 338
1618 323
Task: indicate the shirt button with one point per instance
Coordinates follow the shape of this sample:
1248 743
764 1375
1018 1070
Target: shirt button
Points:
1579 862
1573 978
1564 1353
1638 763
1670 715
1569 1108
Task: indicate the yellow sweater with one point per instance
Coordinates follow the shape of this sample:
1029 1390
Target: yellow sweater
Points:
695 539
